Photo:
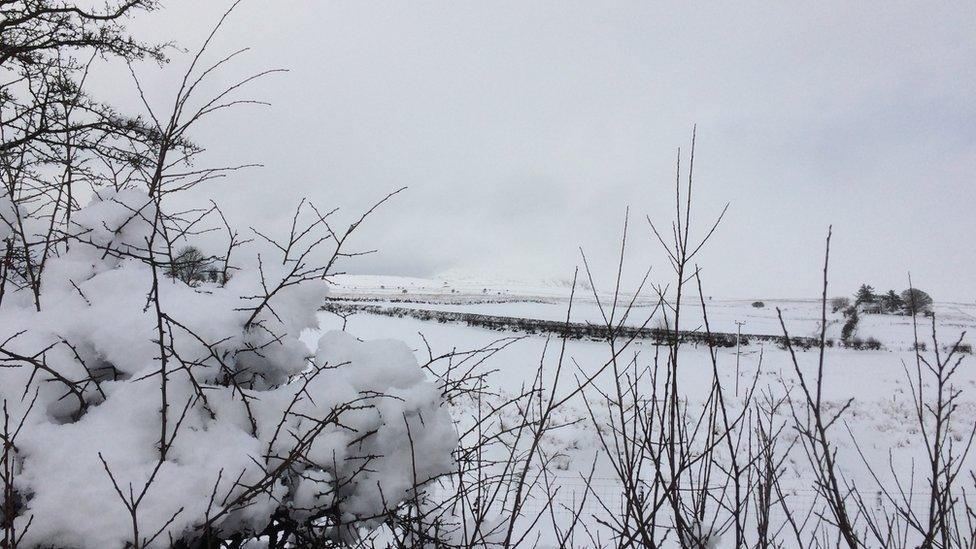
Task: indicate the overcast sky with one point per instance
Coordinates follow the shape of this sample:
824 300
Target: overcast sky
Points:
524 129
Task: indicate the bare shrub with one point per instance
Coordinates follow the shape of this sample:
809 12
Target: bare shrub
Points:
850 326
190 266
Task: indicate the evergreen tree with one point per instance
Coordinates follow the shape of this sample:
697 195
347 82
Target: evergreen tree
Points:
891 302
865 294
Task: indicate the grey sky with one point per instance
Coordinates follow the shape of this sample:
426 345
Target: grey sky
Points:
524 129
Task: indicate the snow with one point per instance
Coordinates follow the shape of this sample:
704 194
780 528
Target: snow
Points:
549 302
367 419
76 451
881 417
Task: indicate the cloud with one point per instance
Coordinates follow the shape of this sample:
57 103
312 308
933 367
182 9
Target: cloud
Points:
525 130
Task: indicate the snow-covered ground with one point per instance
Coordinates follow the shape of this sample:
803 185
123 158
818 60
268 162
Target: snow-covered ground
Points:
548 301
880 417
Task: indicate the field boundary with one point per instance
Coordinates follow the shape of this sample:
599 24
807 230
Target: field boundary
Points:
571 330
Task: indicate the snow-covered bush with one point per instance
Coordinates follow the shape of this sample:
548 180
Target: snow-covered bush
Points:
142 408
254 422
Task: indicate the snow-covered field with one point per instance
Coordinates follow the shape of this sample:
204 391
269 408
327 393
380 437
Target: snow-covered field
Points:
880 416
549 302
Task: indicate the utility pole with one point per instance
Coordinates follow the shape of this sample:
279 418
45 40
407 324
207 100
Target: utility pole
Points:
738 336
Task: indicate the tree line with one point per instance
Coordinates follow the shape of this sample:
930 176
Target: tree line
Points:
866 300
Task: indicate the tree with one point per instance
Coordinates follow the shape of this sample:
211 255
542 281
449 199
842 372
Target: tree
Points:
53 132
865 294
891 302
916 301
190 266
839 304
